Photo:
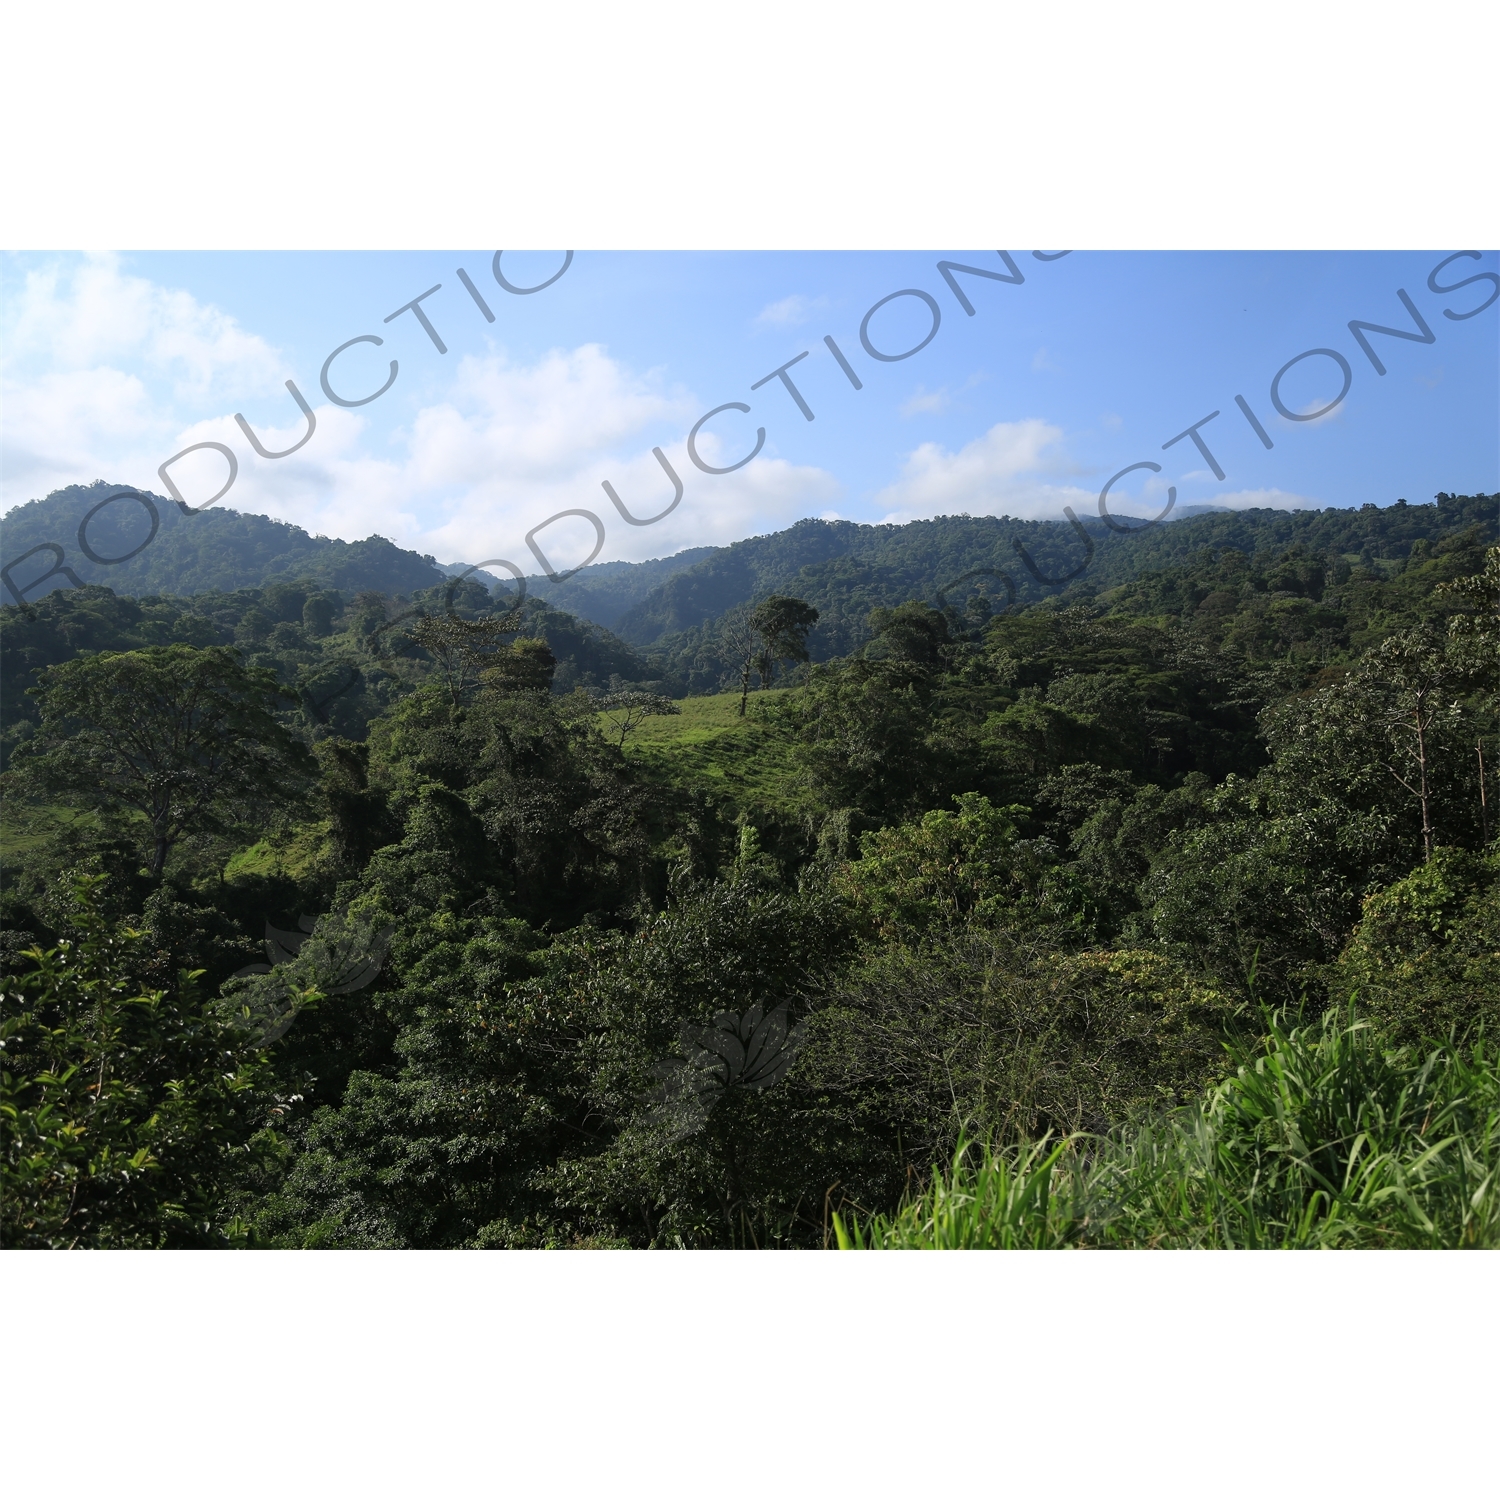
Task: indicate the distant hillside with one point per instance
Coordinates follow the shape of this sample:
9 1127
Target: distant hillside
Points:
602 592
217 549
224 550
846 570
670 605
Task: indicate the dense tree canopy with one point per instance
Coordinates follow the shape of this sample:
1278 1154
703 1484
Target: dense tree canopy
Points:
639 969
185 739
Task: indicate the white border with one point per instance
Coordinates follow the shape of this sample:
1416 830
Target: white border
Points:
744 1374
790 124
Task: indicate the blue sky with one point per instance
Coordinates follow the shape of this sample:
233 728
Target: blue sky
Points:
111 364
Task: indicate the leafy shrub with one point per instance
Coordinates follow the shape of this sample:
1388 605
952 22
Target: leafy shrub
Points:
1324 1136
1426 956
131 1117
942 869
1015 1038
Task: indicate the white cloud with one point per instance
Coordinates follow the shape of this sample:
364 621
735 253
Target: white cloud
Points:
1316 413
48 414
509 447
1001 473
537 423
923 400
91 316
502 449
94 366
768 494
72 427
790 312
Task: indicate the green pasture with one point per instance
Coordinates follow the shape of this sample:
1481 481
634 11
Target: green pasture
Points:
27 826
708 745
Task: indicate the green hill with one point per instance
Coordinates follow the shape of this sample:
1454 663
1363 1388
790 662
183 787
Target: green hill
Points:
224 550
666 620
605 592
844 568
218 549
848 570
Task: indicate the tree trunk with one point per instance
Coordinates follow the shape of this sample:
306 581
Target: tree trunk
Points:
1484 805
1422 783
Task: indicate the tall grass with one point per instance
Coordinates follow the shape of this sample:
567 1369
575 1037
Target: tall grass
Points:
1324 1136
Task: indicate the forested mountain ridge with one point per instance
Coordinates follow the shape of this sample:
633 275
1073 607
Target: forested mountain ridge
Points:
843 568
829 562
1304 584
605 592
223 550
217 549
954 563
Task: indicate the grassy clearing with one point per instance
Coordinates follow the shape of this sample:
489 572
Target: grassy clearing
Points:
26 827
293 856
709 745
1324 1137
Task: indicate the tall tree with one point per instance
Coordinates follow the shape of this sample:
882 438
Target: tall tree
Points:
626 712
1404 719
463 648
1411 687
186 739
775 630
